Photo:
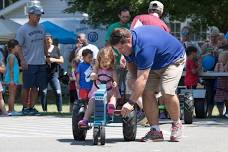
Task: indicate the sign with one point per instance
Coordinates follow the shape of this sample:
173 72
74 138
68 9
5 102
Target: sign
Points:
93 36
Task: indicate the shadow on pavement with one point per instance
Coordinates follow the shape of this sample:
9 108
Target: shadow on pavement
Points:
209 122
89 142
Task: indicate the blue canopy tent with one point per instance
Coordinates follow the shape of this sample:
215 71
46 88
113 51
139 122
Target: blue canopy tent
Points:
57 32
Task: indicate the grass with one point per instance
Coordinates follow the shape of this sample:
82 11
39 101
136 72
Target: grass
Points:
52 109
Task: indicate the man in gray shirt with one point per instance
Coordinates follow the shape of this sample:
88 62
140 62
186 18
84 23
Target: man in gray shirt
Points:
31 37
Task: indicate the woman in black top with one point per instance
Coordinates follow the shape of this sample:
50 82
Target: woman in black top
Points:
54 59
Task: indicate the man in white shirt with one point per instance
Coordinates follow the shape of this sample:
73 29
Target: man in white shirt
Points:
83 44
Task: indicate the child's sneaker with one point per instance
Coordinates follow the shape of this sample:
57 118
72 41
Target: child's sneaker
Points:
176 132
111 109
153 135
3 114
34 112
14 113
83 123
25 111
226 115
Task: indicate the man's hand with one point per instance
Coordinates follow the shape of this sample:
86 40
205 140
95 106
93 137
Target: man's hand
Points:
24 65
126 109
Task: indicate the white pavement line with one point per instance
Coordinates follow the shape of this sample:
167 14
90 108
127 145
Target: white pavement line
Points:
38 127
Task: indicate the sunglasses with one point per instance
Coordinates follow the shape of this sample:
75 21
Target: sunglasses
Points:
125 16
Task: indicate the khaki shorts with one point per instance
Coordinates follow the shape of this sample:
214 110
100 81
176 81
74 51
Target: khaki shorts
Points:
166 79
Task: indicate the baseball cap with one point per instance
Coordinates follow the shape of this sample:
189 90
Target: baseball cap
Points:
156 5
214 31
35 10
48 35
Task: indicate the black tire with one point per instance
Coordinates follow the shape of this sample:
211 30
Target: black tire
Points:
188 108
130 126
102 133
78 114
181 99
200 108
96 133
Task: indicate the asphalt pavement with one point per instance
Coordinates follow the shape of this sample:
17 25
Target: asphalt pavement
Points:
54 134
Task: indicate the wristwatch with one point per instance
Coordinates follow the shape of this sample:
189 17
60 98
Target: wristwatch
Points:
131 102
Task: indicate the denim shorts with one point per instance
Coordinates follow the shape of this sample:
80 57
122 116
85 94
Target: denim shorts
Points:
35 77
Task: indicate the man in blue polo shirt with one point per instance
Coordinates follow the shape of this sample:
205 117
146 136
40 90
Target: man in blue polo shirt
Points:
156 60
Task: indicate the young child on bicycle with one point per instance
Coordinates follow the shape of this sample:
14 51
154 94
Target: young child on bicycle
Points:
104 65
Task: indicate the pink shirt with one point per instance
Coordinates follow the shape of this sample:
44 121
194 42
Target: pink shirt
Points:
149 19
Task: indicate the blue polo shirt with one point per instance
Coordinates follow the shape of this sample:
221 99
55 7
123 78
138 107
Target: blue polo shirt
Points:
154 48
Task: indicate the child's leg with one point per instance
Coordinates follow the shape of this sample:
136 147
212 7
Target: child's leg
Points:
73 97
12 94
89 109
220 106
226 105
112 105
84 122
2 105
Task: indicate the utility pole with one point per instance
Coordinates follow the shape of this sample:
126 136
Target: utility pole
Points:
3 3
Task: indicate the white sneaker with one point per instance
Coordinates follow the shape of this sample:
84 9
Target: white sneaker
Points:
176 132
226 115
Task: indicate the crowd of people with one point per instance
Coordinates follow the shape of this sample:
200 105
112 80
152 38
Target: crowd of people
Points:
142 57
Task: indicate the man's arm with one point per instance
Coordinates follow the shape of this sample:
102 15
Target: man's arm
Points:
140 83
21 56
132 69
20 37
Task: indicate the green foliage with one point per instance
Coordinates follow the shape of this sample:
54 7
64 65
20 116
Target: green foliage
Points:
209 12
105 11
204 12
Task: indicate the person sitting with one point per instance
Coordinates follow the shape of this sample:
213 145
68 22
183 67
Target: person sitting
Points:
221 94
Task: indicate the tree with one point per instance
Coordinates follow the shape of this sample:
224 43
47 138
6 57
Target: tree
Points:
209 12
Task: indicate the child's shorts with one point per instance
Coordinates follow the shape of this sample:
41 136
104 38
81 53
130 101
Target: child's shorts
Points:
83 94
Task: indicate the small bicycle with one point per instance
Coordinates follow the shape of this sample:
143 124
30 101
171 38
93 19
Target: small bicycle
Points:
100 116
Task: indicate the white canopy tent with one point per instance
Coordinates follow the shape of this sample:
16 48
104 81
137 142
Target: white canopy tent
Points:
8 29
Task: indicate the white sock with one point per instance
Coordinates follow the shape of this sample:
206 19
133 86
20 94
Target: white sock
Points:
176 122
155 127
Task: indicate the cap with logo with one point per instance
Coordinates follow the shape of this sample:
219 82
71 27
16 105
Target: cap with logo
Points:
214 31
156 5
35 10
